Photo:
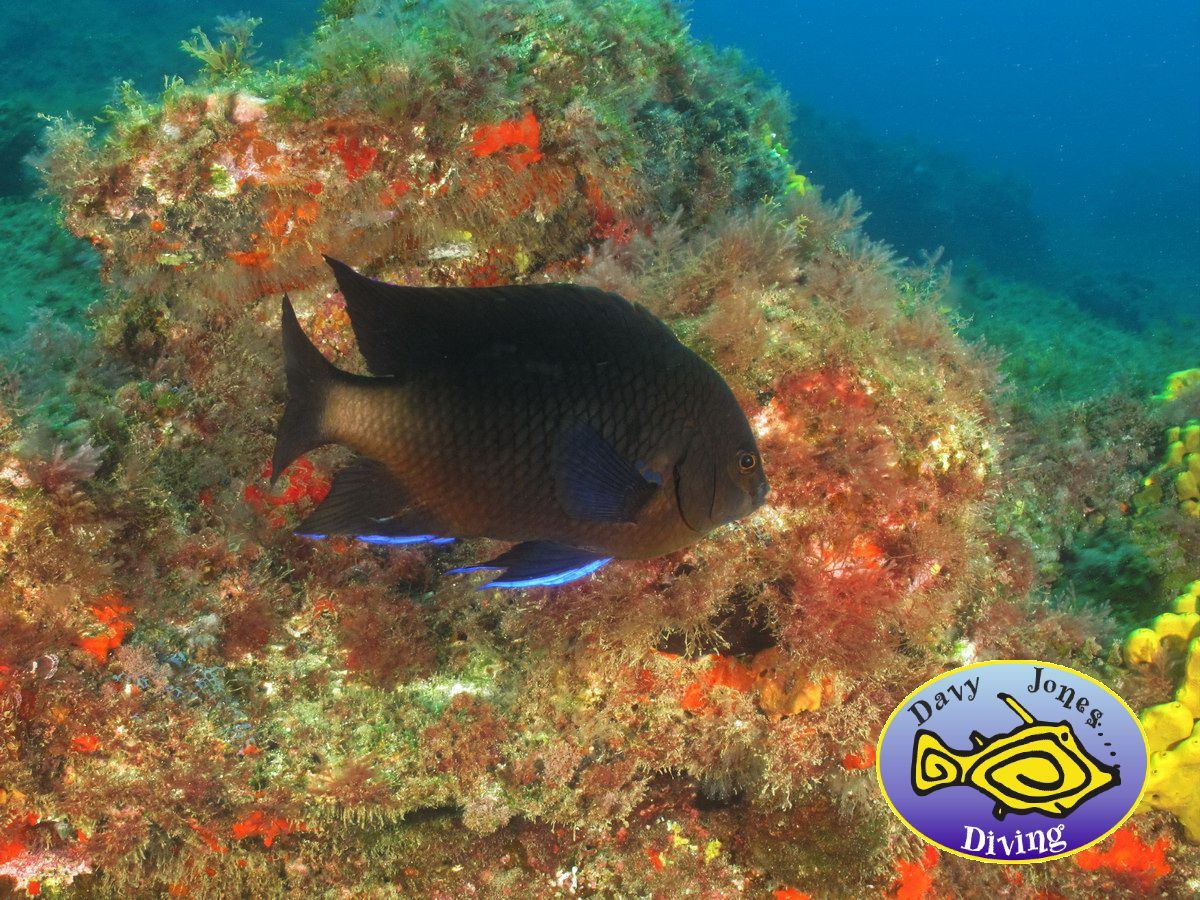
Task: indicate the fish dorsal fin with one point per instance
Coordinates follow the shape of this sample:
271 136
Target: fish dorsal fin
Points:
403 330
1017 708
977 739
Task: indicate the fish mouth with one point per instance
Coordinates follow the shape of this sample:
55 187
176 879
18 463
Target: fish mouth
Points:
760 494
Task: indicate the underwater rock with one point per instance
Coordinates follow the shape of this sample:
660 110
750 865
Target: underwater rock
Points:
1122 298
923 197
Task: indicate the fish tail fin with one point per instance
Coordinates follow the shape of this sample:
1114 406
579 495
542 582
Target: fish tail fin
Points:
309 376
935 765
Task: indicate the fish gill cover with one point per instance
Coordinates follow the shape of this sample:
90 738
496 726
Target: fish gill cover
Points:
193 702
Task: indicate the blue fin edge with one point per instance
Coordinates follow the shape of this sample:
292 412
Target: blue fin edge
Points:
402 540
387 539
552 580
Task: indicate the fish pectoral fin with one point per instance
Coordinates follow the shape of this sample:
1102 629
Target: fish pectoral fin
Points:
594 482
539 563
367 501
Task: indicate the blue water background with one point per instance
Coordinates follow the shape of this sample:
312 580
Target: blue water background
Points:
1096 106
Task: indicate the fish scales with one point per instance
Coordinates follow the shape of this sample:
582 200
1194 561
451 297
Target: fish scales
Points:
481 446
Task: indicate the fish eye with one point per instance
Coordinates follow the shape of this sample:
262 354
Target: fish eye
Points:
747 461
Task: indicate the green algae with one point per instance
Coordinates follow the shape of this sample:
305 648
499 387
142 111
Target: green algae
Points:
1054 353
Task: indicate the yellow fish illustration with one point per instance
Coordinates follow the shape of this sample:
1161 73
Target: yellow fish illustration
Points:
1036 767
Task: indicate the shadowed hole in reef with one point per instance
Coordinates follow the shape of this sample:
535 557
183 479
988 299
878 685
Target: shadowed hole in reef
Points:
432 814
738 629
716 797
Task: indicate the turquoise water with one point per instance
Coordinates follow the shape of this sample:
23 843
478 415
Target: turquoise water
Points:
67 59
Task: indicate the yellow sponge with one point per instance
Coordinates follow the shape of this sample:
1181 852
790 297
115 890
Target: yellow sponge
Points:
1141 646
1186 487
1187 601
1166 724
1180 626
1191 437
1178 382
1189 692
1173 638
1177 477
1173 783
1173 728
1175 628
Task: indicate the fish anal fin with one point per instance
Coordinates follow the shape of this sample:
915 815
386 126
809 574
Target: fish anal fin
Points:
594 482
999 812
539 564
367 501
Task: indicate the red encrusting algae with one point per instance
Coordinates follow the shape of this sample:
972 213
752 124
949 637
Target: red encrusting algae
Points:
523 132
1129 856
913 879
85 743
268 828
357 158
109 612
305 486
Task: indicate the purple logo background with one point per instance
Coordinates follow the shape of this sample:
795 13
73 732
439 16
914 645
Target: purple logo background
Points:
942 815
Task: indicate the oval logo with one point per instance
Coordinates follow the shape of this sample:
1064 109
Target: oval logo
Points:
1013 761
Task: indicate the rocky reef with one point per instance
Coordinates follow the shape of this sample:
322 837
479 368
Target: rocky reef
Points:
194 702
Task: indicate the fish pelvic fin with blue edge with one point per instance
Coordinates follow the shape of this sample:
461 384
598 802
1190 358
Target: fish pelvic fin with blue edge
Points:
309 377
934 764
539 564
